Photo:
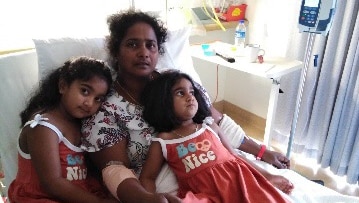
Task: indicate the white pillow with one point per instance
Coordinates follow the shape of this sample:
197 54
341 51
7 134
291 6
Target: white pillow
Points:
18 76
177 53
52 53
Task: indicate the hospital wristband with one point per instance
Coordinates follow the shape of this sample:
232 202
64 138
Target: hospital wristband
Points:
261 152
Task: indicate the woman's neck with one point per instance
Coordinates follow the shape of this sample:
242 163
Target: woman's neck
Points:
133 86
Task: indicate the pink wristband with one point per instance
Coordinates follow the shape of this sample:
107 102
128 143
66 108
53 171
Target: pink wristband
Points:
261 152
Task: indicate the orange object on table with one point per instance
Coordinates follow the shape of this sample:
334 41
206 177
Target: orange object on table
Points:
234 13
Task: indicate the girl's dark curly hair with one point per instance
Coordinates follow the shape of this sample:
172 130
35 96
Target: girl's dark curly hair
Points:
47 96
119 24
158 105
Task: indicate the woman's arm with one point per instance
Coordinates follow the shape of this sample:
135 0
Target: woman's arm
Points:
115 153
114 164
111 156
46 161
152 167
120 180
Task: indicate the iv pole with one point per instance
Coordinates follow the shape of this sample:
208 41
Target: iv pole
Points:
308 54
323 24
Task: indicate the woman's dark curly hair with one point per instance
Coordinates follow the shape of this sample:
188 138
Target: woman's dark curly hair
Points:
47 96
119 24
158 104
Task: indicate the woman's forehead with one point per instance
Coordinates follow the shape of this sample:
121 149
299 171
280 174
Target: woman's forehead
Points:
141 31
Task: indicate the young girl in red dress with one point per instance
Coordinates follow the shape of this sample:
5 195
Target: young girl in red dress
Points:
206 167
51 166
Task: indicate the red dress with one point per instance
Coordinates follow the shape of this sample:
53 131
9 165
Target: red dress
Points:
26 186
207 172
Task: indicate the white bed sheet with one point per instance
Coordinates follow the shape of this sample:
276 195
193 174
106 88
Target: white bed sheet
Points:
305 191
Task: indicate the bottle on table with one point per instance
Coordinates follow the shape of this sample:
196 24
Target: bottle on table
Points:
240 34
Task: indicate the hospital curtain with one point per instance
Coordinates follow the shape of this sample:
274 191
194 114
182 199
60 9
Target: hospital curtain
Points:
328 123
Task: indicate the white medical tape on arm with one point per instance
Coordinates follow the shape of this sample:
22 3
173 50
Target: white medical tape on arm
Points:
232 131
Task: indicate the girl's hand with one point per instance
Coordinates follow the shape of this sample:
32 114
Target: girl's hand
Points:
277 159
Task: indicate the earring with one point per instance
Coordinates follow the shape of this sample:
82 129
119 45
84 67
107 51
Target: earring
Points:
154 75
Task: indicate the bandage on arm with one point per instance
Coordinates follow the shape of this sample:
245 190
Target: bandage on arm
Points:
232 131
114 174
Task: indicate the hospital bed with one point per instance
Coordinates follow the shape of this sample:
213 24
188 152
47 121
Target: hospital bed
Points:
21 71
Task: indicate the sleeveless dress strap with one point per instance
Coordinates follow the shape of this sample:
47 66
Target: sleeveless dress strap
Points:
208 120
163 145
40 120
